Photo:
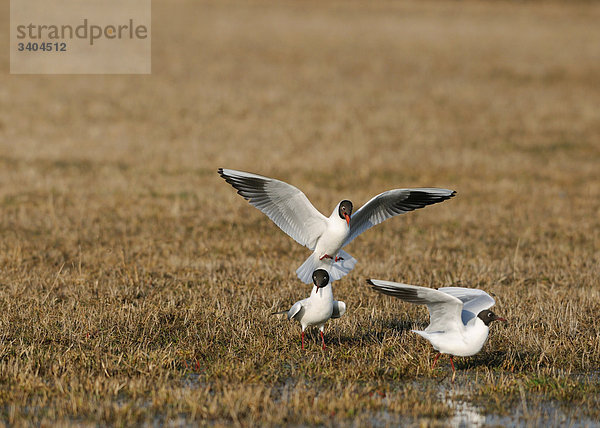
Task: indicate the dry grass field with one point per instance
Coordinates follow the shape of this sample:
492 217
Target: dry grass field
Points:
136 286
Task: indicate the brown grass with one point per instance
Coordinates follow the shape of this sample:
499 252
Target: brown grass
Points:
125 258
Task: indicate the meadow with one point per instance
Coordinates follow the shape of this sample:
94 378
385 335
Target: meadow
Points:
136 287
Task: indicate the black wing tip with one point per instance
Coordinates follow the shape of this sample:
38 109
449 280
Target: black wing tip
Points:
243 184
421 198
221 172
406 294
433 196
378 288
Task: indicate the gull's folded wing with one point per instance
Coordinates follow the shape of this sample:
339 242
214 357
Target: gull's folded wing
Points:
339 309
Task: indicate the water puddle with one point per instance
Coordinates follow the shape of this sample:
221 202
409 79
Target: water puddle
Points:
467 413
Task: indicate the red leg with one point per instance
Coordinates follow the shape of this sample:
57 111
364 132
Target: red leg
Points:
303 339
323 339
337 259
453 371
326 256
435 360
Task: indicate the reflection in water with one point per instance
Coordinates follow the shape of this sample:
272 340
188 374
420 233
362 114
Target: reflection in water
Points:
465 414
457 397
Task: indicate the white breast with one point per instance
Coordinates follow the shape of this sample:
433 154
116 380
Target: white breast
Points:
319 307
461 343
334 236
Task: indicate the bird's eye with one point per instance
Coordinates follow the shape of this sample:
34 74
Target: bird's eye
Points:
490 315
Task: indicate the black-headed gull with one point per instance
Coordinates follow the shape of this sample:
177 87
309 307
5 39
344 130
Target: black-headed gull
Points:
459 318
318 308
291 210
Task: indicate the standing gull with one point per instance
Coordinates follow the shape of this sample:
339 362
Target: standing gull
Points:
318 308
291 210
459 318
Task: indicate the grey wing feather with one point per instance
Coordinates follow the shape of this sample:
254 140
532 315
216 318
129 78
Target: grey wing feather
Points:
283 203
474 300
444 309
392 203
296 311
339 309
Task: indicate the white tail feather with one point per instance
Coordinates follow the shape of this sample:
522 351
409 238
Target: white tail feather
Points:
311 264
342 267
336 269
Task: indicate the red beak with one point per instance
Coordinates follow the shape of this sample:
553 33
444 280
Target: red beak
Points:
347 218
501 319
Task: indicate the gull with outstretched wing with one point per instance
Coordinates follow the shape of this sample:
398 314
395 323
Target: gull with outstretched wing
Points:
291 210
459 318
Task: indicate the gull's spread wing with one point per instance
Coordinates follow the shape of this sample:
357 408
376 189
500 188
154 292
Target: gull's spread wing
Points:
444 309
474 300
283 203
392 203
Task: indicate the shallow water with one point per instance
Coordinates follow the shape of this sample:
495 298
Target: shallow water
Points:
467 413
547 413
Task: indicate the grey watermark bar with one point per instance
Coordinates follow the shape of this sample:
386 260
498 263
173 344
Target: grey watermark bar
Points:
80 37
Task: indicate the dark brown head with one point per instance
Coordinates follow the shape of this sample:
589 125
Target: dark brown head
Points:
488 316
345 210
320 278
